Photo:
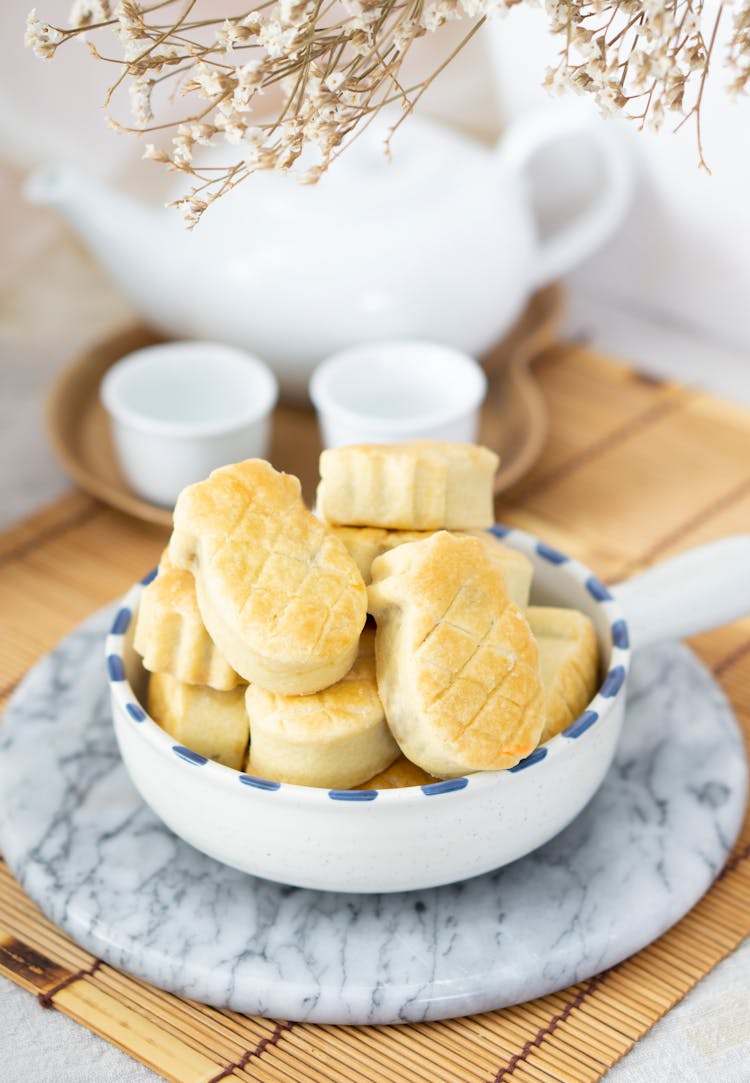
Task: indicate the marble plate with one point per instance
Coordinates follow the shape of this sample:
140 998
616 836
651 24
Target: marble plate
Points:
100 865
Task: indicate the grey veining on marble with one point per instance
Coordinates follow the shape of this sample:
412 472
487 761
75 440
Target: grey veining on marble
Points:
100 864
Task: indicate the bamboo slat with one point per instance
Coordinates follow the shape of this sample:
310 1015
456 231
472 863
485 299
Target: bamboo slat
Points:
634 470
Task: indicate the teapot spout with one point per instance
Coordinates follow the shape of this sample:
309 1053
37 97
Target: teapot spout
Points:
52 186
127 238
91 207
106 219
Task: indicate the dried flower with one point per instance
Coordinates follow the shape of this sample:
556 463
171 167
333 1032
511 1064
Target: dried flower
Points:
338 65
41 37
739 50
645 59
85 12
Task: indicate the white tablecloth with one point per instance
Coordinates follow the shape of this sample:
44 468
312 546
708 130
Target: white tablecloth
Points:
52 300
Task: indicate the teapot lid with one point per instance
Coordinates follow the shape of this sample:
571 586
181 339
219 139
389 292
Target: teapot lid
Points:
425 157
428 163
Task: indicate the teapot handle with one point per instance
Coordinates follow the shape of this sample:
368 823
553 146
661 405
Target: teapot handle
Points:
586 230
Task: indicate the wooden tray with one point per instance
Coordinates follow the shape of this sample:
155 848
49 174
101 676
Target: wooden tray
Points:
514 420
633 470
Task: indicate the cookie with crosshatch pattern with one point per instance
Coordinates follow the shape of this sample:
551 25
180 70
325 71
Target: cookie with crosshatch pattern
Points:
457 664
279 594
367 543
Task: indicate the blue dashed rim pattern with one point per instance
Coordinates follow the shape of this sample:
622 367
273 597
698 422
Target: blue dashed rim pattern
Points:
448 786
554 556
353 795
187 754
121 623
115 668
537 551
259 783
136 712
597 590
581 724
533 757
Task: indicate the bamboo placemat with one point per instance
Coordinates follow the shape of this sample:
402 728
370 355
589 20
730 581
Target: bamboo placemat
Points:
634 470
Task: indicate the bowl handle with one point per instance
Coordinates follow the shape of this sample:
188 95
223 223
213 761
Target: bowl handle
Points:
585 231
700 589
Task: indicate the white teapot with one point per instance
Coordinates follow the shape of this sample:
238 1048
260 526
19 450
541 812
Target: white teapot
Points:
441 244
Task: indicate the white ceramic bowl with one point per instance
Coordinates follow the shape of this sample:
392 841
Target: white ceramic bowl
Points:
423 836
181 409
385 392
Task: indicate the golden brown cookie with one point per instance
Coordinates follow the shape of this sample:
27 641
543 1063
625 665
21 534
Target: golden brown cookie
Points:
336 738
420 485
457 665
279 594
367 543
170 634
517 570
402 772
213 724
568 661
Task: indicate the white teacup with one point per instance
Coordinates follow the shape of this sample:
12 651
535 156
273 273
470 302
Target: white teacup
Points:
386 392
182 409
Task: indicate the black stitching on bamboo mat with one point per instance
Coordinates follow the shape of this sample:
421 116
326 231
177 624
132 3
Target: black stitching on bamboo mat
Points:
641 377
690 524
733 864
730 659
45 999
260 1048
56 530
548 355
9 688
508 1069
599 447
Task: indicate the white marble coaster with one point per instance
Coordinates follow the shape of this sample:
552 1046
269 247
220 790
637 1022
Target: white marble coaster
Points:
99 863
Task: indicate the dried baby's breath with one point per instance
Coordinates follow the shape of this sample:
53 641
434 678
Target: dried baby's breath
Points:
645 59
338 62
87 12
739 49
41 37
